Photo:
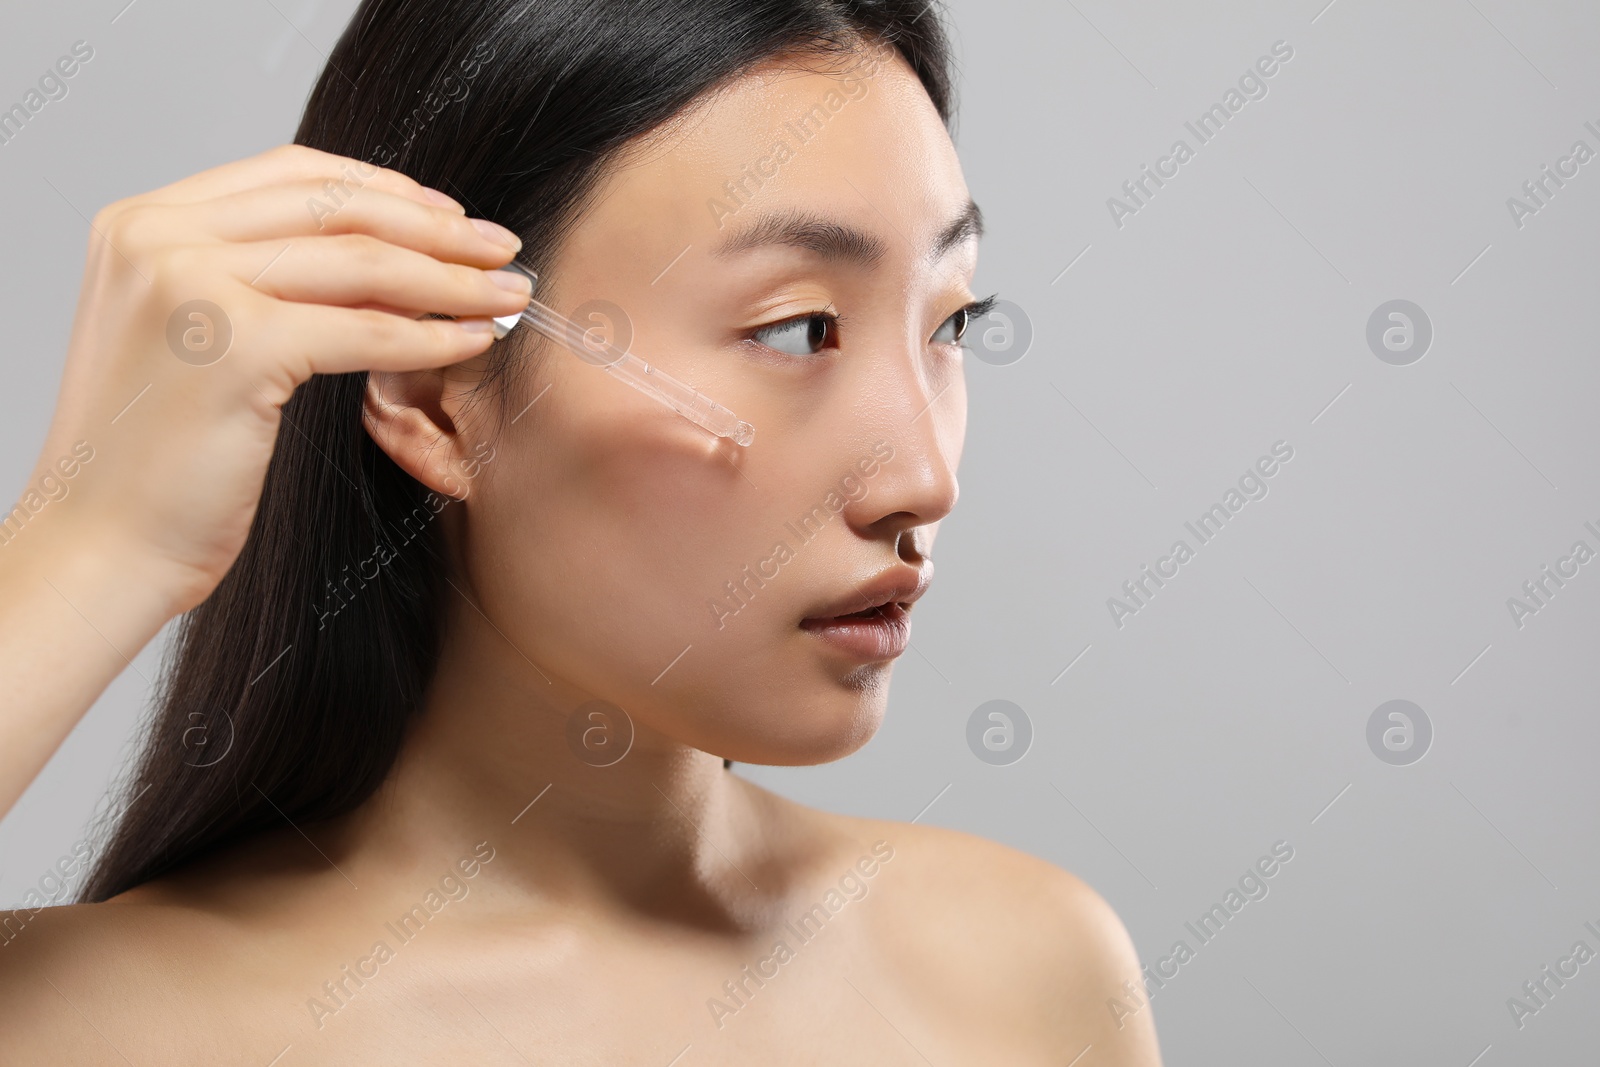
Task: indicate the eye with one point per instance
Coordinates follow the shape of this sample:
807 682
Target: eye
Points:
803 336
953 329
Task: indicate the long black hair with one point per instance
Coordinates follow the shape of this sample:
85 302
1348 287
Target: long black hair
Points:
287 692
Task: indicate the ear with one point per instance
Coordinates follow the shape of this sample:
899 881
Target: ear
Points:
413 417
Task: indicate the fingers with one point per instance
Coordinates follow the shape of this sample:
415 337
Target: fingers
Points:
308 207
330 261
291 163
306 339
358 269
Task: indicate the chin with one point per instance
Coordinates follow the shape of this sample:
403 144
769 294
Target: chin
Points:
809 735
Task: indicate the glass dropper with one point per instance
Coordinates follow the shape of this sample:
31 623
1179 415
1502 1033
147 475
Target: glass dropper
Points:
589 346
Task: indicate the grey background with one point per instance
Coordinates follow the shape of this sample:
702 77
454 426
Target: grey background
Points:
1227 314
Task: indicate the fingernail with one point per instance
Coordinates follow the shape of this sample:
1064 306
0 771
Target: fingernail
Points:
442 200
493 231
476 325
511 281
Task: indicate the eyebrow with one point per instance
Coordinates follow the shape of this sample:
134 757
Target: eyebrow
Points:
834 240
967 224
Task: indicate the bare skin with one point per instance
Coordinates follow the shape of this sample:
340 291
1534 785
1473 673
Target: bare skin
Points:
563 912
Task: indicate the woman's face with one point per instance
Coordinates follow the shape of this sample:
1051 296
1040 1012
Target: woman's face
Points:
636 558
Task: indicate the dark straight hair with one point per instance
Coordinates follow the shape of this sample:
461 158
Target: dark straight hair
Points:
286 693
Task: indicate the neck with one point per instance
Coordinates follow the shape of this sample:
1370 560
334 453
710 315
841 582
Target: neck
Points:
496 755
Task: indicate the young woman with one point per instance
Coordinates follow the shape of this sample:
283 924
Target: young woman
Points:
471 630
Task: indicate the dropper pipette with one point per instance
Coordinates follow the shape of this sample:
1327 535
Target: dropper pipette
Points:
653 382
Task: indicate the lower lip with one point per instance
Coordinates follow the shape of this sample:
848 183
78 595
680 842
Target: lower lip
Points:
882 635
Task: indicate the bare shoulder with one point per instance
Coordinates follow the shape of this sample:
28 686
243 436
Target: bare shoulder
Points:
56 939
131 976
1010 941
63 964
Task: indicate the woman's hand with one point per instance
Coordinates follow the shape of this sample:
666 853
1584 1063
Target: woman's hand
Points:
206 302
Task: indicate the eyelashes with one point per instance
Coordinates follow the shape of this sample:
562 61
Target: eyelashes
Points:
979 308
802 331
808 333
975 310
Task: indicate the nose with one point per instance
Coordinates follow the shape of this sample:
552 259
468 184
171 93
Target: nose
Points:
918 447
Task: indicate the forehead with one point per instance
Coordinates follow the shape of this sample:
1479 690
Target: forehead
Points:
853 135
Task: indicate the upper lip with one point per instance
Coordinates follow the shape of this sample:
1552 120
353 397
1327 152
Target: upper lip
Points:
898 585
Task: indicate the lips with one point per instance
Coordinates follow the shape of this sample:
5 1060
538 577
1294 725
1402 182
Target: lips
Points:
898 585
867 613
873 623
879 633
